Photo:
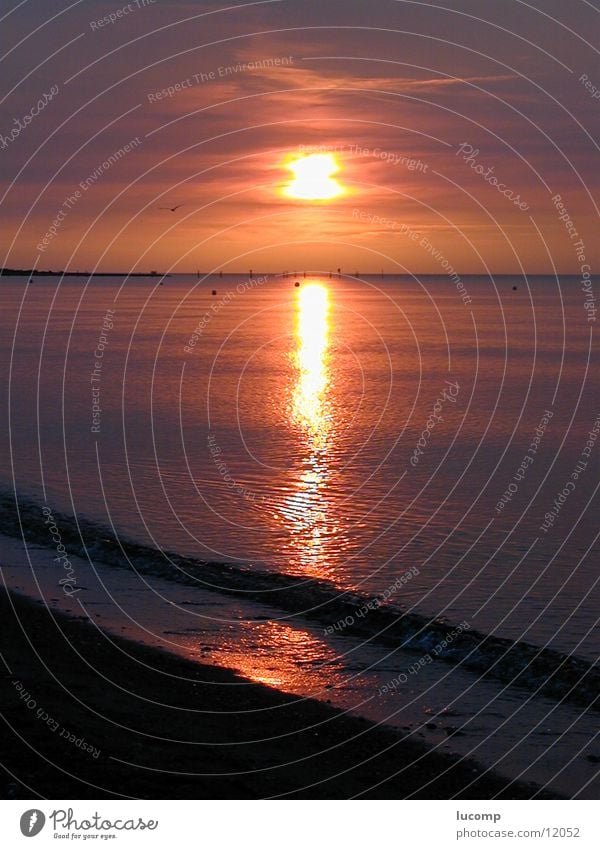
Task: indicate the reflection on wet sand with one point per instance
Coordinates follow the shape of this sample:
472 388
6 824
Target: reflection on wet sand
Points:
285 656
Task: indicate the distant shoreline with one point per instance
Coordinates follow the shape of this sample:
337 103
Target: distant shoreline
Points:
31 272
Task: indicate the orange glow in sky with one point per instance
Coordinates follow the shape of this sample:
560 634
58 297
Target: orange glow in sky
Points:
304 162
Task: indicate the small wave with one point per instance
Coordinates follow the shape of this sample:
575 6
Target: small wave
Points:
545 671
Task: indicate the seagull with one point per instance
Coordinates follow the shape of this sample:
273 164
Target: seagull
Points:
172 208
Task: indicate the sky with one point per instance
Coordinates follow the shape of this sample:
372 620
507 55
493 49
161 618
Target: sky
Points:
455 126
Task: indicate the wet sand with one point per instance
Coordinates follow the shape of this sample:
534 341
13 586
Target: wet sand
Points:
88 715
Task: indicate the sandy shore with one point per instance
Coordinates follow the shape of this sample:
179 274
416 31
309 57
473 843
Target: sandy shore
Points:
94 716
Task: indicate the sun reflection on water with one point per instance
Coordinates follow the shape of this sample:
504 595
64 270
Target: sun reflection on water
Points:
312 331
310 419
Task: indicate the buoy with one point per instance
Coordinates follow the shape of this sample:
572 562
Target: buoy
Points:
514 288
296 284
214 291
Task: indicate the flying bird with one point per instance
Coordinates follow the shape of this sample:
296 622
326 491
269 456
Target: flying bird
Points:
172 208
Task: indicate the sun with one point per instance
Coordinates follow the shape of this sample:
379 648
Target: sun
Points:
313 177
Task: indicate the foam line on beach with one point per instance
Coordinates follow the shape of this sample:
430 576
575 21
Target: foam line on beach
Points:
546 671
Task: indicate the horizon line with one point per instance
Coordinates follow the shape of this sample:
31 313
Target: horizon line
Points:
8 272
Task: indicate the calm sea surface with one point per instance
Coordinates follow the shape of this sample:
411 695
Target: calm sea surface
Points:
344 429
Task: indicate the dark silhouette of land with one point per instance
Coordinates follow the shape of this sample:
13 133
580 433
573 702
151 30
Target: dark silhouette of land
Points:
34 272
165 727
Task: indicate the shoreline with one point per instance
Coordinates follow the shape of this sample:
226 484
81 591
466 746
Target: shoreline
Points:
111 718
545 671
31 272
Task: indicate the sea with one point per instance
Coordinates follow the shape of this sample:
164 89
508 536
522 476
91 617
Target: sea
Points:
301 460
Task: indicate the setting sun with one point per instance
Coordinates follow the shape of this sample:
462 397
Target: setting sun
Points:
313 177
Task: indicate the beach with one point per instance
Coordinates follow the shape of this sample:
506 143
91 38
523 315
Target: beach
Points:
170 728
